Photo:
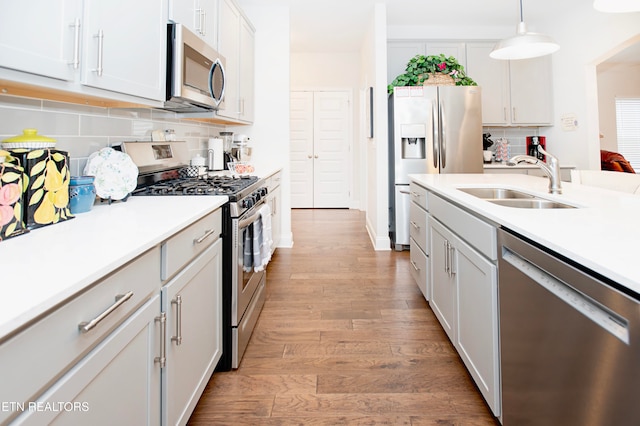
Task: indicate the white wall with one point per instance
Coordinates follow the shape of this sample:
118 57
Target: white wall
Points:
374 61
586 37
614 81
269 133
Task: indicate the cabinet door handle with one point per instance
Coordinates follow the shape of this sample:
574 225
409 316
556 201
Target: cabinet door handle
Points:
87 326
415 225
452 263
504 112
198 28
513 110
178 337
414 266
162 359
204 22
100 37
206 235
446 256
76 44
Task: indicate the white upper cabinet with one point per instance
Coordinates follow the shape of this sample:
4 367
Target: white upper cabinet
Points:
125 46
77 46
41 37
531 91
517 93
236 43
200 16
247 67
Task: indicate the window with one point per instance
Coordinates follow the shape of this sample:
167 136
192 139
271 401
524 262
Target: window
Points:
628 128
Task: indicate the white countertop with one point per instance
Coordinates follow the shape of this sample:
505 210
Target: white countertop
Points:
603 234
48 265
499 165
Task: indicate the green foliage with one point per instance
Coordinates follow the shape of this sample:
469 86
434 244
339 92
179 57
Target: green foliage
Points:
420 66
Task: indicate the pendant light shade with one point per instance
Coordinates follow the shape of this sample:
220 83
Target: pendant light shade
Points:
524 44
617 6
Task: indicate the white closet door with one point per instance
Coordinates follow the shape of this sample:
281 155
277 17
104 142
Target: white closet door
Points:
331 149
320 149
301 149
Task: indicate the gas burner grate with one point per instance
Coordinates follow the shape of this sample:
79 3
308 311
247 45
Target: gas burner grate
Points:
207 185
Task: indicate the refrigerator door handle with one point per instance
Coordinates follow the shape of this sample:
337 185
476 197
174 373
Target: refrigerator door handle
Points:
435 130
443 139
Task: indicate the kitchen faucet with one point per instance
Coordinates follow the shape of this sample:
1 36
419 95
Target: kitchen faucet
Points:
552 169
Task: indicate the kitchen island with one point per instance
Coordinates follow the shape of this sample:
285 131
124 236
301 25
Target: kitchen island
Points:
572 273
601 234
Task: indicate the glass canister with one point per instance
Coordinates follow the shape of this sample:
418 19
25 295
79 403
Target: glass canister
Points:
82 194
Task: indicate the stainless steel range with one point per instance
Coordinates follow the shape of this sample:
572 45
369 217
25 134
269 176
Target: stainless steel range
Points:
161 166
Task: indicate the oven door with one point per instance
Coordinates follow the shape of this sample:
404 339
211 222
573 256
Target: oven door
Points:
245 280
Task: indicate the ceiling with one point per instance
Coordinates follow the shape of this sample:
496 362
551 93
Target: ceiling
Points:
339 25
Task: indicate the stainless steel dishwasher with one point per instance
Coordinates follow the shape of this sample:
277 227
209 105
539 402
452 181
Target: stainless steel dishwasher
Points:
570 350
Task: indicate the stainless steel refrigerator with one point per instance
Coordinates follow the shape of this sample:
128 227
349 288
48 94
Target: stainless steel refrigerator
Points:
432 129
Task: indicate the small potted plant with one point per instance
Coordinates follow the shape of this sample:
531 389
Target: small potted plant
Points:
440 69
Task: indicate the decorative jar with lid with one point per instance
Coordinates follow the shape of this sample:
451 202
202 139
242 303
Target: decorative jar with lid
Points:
82 194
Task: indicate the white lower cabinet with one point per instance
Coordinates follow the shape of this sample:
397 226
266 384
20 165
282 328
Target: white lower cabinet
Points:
443 284
192 301
464 297
419 267
118 382
274 199
132 349
419 238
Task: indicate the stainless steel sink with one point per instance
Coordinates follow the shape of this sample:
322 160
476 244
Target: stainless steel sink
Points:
531 203
495 193
514 198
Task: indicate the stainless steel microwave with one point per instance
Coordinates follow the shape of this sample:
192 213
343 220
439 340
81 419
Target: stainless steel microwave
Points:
195 73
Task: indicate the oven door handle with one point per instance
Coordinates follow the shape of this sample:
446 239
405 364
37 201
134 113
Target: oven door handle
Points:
243 223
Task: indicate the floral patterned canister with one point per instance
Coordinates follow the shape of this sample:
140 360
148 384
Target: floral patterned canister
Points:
45 186
11 205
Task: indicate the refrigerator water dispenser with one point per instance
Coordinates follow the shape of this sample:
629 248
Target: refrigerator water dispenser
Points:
413 141
413 148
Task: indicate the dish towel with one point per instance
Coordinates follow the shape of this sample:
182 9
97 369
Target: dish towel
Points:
266 244
257 242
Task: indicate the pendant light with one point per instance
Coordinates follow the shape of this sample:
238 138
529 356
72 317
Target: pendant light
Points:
617 6
524 44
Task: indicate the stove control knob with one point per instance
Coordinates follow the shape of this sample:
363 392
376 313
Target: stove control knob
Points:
248 202
263 191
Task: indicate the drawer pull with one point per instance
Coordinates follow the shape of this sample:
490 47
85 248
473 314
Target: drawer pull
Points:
85 327
415 266
206 235
415 225
178 337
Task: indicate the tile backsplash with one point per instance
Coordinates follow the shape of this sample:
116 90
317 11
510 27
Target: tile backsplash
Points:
81 130
517 137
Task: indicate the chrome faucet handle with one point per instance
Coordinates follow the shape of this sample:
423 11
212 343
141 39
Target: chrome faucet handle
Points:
552 169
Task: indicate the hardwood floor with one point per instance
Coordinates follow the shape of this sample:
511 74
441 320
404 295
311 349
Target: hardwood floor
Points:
345 337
